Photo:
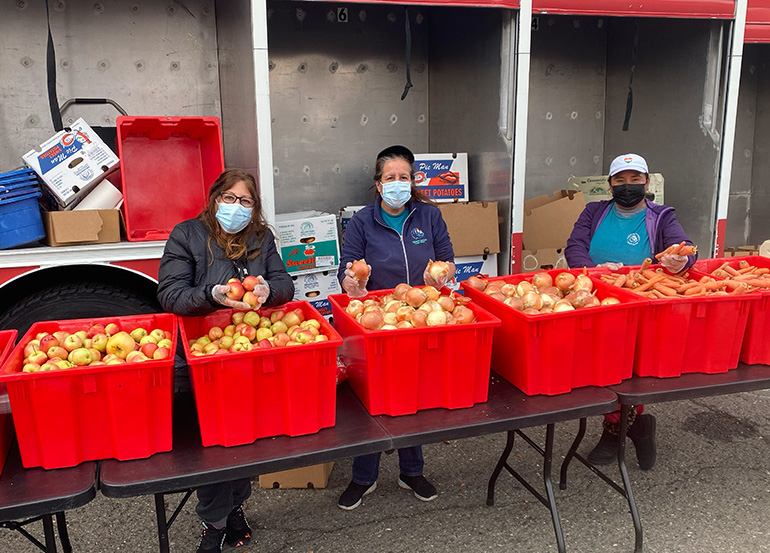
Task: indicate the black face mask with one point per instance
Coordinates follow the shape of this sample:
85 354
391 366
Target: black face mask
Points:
629 194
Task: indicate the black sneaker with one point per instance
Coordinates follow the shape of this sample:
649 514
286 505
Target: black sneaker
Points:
642 433
211 539
352 496
606 451
423 490
237 531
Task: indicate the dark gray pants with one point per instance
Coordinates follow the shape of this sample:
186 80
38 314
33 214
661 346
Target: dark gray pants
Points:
215 501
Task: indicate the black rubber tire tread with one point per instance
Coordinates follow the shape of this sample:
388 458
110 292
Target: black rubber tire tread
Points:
75 300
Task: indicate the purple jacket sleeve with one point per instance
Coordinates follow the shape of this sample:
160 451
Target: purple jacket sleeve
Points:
579 242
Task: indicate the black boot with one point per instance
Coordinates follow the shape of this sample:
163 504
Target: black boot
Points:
642 433
606 451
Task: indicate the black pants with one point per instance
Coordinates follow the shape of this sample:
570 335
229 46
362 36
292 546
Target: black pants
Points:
215 501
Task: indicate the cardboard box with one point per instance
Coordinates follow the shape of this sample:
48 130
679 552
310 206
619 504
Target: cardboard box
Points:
315 476
90 226
543 260
548 220
307 241
598 187
741 251
473 227
473 265
443 177
72 162
346 213
315 288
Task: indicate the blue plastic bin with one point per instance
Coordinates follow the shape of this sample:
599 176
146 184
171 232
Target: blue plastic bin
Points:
20 221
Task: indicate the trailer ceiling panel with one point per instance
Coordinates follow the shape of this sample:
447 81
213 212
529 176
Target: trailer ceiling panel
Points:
689 9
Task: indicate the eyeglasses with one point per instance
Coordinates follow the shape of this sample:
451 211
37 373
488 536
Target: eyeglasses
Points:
230 198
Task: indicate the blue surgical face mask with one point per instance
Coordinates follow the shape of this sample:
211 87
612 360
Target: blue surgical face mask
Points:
233 218
396 193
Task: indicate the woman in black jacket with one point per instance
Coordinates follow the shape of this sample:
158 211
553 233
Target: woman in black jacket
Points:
228 239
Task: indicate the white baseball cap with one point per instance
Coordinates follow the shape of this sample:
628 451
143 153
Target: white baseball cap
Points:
628 162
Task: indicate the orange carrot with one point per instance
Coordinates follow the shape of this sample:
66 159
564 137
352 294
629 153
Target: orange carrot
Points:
695 291
687 250
620 281
663 289
732 272
648 284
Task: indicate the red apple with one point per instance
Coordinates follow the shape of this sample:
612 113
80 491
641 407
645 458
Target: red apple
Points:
215 333
61 335
250 298
48 341
238 317
95 329
99 342
236 289
148 349
250 282
96 354
30 368
249 332
135 357
38 357
111 329
159 334
264 343
277 315
73 342
161 353
57 351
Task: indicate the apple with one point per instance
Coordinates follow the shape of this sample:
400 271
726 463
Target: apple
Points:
264 343
64 364
229 330
159 334
80 357
281 339
264 333
211 348
203 340
265 322
110 329
148 349
38 357
135 357
215 333
31 347
95 329
251 318
73 342
249 332
292 318
311 322
238 317
279 326
304 336
57 351
222 351
196 347
165 343
50 366
167 334
109 357
321 338
250 298
121 344
96 354
161 353
138 333
277 315
226 341
312 329
30 368
236 289
97 363
87 343
116 361
149 339
48 341
40 335
250 282
99 342
61 335
82 334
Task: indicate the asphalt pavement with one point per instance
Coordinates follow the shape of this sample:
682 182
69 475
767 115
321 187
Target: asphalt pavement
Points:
709 492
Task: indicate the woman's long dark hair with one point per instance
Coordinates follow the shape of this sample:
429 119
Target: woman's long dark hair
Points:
234 245
417 194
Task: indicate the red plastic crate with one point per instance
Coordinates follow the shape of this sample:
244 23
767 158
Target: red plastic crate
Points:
7 339
263 392
709 331
756 347
552 353
399 372
167 165
65 417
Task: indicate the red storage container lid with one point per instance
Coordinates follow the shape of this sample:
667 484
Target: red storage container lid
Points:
167 165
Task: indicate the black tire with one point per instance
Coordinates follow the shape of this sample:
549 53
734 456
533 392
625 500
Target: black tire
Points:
76 300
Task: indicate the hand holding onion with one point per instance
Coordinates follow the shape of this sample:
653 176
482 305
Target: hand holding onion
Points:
438 273
356 277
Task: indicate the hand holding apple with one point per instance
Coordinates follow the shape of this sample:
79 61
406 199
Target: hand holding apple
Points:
221 294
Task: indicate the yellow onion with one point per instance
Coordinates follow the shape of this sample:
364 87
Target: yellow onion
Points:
564 281
404 313
463 315
476 282
581 298
499 296
355 308
419 318
515 302
548 301
390 318
551 291
493 288
446 303
508 289
372 319
391 306
436 318
531 311
532 299
416 297
562 305
431 292
403 324
523 287
609 300
438 269
583 282
541 280
399 292
388 327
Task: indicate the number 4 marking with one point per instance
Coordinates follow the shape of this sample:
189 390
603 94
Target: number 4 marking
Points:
342 15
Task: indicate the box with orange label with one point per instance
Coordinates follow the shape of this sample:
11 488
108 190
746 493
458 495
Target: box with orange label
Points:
308 241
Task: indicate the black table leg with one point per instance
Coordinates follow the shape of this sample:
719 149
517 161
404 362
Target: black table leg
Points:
547 463
499 468
571 453
160 513
638 545
50 537
64 535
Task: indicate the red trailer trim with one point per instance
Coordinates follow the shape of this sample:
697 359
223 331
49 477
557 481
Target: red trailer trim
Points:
757 21
514 4
689 9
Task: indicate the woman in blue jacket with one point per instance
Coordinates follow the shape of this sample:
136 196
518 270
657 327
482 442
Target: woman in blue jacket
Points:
398 235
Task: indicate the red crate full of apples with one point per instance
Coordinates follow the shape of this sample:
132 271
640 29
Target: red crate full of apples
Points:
257 374
73 407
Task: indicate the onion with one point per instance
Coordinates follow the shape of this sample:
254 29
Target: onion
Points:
390 319
431 292
392 306
541 280
609 301
416 297
493 288
355 308
399 292
388 327
463 315
438 270
476 282
508 290
403 324
386 298
515 302
551 291
446 303
427 307
582 298
360 269
498 296
372 320
404 313
523 287
548 301
546 309
562 305
436 318
564 281
434 305
583 282
419 318
533 300
371 301
531 311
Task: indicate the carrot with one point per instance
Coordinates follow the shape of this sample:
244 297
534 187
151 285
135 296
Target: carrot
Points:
684 287
762 271
687 250
746 269
654 280
714 285
620 281
743 264
663 289
676 249
732 272
740 289
695 291
643 267
759 283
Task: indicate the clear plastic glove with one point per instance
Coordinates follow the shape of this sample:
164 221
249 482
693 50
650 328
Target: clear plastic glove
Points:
262 290
674 263
355 288
219 291
611 265
438 284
